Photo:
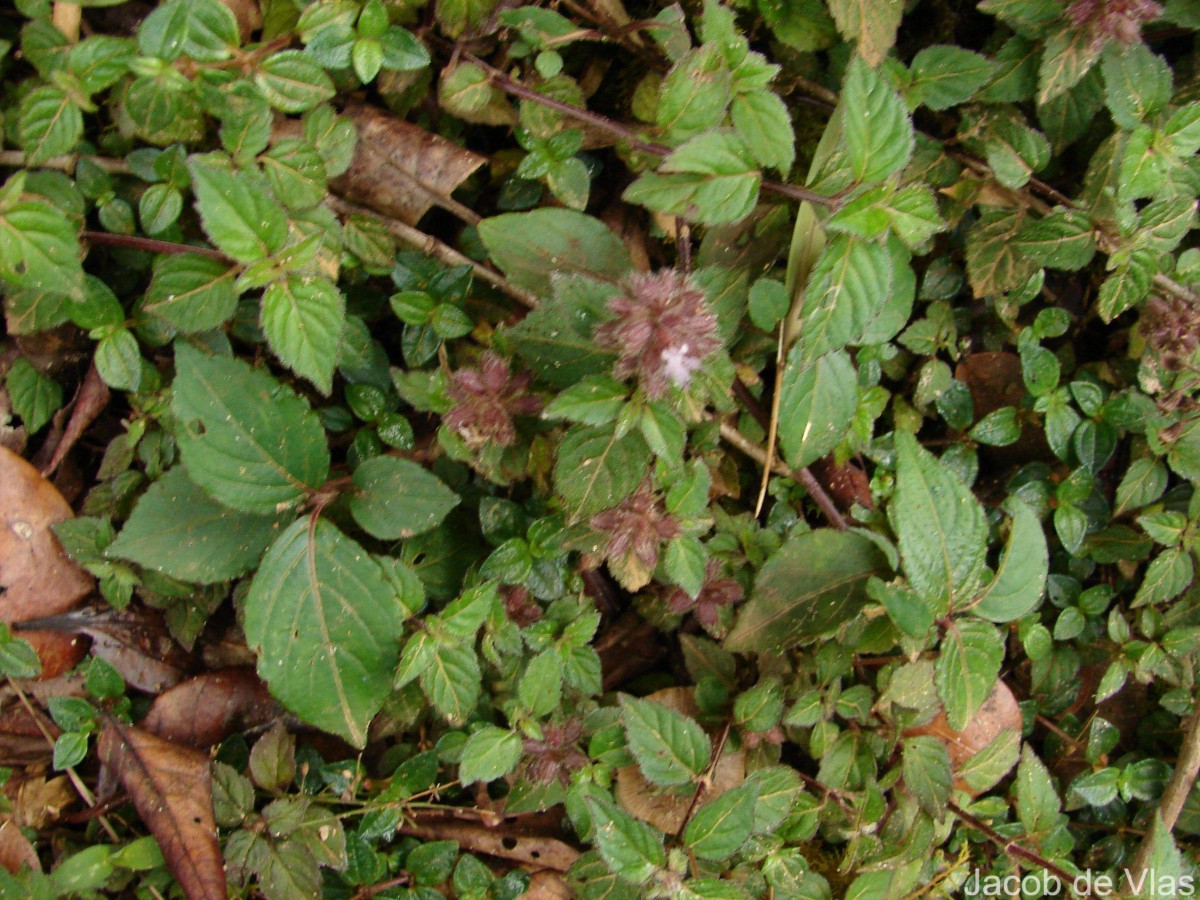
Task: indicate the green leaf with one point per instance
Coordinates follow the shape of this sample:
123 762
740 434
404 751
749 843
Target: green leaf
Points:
847 287
670 748
632 849
240 217
555 340
872 23
1020 578
1068 55
1064 239
875 123
705 199
456 16
529 247
326 626
451 681
721 826
967 668
180 531
489 753
913 213
1127 285
191 292
48 125
993 265
595 400
925 763
762 121
695 93
812 585
292 82
945 76
39 249
396 498
159 208
540 688
816 406
1137 83
296 172
303 319
35 398
940 526
1038 805
596 470
252 443
684 561
119 361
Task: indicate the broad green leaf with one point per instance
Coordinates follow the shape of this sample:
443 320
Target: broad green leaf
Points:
816 405
763 122
303 319
39 249
1068 54
940 526
1137 83
632 849
530 247
1143 483
451 681
49 124
986 767
694 94
326 626
875 123
555 340
706 199
119 361
1021 576
296 172
967 668
670 748
872 23
35 397
913 213
812 585
292 82
240 217
159 208
456 16
252 443
925 763
191 292
396 498
1038 805
993 265
777 789
1127 285
180 531
593 401
489 753
945 76
596 470
1064 239
849 284
721 826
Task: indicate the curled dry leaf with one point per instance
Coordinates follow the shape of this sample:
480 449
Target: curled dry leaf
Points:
41 801
532 851
171 788
666 809
399 169
90 400
205 710
37 578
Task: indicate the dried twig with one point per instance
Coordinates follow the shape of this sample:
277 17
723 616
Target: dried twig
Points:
1187 766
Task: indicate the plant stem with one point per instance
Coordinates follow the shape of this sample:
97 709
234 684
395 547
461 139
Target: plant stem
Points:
150 245
625 133
433 247
1187 766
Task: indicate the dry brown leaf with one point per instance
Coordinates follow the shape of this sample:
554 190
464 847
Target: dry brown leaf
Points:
15 849
135 642
89 402
664 808
36 577
530 851
40 802
171 788
399 169
546 885
205 710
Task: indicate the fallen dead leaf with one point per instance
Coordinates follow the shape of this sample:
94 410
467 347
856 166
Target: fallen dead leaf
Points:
205 710
89 402
171 788
15 849
661 807
530 851
40 801
37 578
399 169
135 642
546 885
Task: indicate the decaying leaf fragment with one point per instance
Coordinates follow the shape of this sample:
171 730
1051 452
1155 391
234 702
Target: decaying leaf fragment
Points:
171 788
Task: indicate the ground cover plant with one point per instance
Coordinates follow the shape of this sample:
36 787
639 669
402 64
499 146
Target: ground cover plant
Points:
599 448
